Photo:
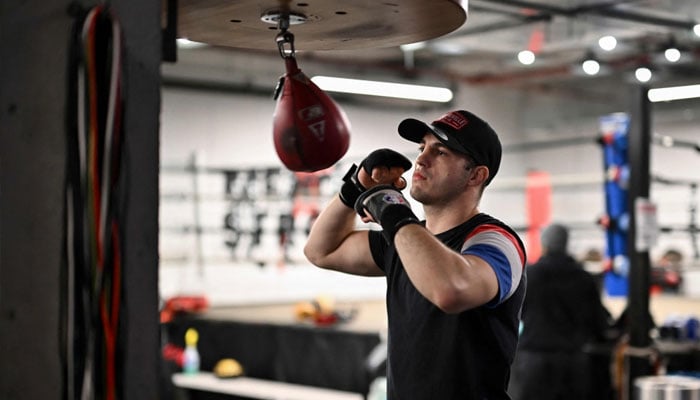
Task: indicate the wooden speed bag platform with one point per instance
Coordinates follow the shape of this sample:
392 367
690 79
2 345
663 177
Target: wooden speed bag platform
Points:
319 24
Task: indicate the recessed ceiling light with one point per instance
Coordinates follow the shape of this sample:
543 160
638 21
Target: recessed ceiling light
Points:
591 67
607 43
526 57
643 74
672 54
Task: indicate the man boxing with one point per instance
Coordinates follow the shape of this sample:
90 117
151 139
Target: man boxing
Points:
455 281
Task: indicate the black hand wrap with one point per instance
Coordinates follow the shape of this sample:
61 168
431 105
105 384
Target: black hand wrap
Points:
352 188
388 207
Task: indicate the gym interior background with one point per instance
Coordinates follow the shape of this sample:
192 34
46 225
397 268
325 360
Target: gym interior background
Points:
211 212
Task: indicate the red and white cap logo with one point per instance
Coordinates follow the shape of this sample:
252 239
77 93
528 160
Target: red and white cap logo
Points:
454 120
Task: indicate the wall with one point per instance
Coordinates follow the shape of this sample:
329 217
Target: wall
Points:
233 130
34 333
30 236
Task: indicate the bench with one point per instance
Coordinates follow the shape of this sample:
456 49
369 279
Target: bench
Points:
259 388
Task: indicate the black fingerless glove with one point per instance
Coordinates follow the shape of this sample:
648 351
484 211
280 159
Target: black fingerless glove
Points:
352 188
388 207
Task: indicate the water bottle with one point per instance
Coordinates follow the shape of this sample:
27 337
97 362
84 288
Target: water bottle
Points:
190 363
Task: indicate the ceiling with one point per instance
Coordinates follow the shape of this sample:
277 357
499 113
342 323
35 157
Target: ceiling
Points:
483 50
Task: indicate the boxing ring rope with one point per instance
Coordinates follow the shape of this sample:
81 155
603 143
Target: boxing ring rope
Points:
668 141
692 227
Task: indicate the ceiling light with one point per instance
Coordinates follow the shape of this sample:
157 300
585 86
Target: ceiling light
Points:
643 74
672 54
383 89
413 46
674 93
448 48
188 44
696 29
591 67
607 43
526 57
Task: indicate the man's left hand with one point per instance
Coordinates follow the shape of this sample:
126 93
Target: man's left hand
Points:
385 205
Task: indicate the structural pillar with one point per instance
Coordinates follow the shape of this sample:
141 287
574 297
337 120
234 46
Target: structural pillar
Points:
637 362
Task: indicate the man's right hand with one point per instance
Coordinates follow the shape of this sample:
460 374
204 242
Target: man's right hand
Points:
380 167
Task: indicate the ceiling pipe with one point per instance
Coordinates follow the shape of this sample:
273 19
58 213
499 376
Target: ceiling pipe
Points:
550 9
519 76
513 77
497 26
629 15
604 9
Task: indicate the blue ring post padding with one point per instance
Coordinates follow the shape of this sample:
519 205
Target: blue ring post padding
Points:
615 155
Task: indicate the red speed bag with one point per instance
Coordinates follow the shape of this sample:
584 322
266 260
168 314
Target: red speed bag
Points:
310 131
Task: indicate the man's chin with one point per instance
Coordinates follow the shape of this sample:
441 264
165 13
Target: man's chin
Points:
418 195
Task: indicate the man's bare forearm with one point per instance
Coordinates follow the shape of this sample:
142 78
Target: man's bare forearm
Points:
335 244
335 223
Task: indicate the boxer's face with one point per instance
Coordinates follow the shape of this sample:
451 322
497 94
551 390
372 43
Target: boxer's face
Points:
440 174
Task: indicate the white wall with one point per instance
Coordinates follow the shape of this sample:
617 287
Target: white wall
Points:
235 131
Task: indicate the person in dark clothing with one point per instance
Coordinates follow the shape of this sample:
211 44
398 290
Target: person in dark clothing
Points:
455 280
562 313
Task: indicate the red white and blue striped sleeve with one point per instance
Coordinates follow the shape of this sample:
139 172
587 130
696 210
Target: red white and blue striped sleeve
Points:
500 249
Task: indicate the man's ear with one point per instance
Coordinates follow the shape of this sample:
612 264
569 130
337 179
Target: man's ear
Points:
479 175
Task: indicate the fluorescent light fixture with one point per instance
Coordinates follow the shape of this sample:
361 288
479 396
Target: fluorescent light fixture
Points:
413 46
383 89
189 44
674 93
448 48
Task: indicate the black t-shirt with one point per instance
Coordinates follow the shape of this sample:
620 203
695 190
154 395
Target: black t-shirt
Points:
434 355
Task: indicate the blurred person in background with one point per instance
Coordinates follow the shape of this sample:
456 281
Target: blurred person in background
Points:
667 272
562 313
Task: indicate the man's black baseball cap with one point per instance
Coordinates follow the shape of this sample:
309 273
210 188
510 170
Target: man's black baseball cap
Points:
461 131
